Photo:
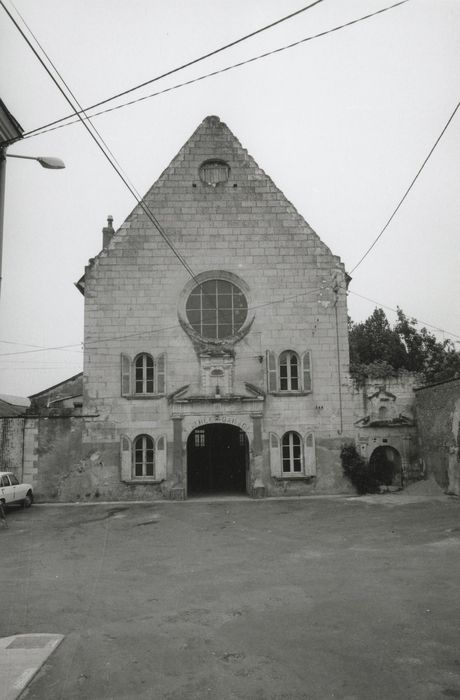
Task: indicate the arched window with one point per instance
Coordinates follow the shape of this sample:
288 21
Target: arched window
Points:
289 371
144 377
383 412
144 456
291 453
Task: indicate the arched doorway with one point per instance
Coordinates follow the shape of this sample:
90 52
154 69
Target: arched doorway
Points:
385 462
217 460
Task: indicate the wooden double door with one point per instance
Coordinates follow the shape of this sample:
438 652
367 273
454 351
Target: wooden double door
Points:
217 460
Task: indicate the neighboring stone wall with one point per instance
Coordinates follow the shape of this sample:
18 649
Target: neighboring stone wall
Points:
58 459
438 418
401 386
12 445
247 228
399 430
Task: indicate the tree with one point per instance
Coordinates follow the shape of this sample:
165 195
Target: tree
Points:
435 360
376 349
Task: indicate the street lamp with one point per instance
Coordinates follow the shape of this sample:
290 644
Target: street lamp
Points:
45 161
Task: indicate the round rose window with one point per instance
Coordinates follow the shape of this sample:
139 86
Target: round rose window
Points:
216 309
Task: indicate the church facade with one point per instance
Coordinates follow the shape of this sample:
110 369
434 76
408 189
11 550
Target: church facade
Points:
224 371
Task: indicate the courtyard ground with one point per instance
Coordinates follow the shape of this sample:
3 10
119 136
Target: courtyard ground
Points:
349 598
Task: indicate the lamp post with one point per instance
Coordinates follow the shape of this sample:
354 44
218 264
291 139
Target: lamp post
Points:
45 161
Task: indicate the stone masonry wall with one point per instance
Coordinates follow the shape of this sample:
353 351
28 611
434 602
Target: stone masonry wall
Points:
12 444
245 227
438 418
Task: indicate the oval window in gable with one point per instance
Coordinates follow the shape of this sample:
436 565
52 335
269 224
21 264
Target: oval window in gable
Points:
213 172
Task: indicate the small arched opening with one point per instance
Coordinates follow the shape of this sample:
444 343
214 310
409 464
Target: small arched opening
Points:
385 463
217 460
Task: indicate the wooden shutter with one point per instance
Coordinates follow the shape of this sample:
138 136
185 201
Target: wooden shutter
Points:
310 455
161 371
160 454
306 371
275 455
125 375
271 371
125 458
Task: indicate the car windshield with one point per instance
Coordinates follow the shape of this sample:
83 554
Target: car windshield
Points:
13 479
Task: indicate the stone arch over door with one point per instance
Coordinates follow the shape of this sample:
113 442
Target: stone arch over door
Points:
217 460
386 463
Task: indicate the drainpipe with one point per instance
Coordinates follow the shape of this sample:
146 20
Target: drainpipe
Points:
2 202
335 289
23 446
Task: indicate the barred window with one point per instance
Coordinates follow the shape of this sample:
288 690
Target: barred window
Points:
216 309
200 440
144 456
291 453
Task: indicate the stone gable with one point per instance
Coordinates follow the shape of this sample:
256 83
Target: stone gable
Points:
228 220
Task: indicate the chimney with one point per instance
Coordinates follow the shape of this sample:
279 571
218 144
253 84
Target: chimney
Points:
107 232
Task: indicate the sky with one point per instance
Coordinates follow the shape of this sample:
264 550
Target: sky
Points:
341 124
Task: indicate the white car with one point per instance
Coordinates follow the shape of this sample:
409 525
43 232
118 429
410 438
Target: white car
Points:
11 491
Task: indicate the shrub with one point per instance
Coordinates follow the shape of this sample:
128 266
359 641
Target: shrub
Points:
356 469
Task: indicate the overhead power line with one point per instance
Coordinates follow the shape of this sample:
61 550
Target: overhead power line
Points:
108 157
44 129
407 191
179 68
138 334
152 331
70 92
417 321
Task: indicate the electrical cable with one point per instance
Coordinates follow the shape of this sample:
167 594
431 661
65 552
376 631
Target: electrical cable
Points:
43 130
41 347
174 327
139 200
154 330
176 70
419 323
112 159
407 191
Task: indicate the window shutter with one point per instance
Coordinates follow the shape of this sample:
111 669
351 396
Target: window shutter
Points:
125 459
306 371
161 369
275 455
125 375
160 467
271 371
310 455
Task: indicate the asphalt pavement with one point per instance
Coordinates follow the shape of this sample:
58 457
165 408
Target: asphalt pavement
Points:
350 598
